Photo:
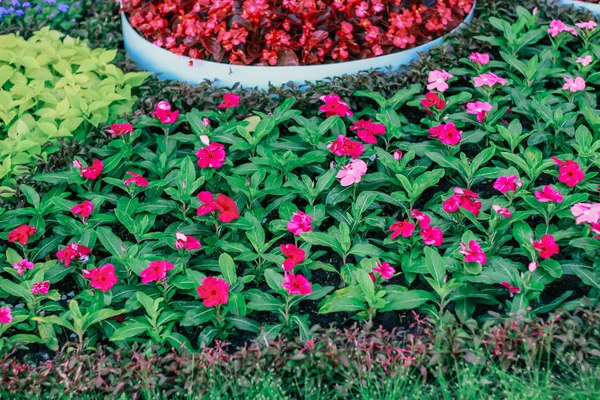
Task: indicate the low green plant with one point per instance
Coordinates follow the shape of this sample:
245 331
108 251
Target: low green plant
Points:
53 87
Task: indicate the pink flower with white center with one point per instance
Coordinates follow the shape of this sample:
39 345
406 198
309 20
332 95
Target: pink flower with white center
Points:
506 184
473 252
186 242
384 269
437 80
22 265
505 212
585 60
532 266
5 315
548 195
586 212
479 108
397 155
574 84
352 173
512 290
489 79
300 223
589 25
479 58
40 288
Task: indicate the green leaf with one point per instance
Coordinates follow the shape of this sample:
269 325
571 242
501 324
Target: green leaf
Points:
435 265
130 329
244 323
228 268
406 300
110 241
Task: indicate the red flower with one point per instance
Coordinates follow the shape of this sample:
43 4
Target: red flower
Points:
135 178
83 209
156 271
433 100
366 130
163 113
119 129
473 252
213 291
230 100
21 234
296 284
446 133
569 172
226 206
432 236
334 106
293 255
186 242
73 251
92 172
102 278
211 156
547 247
343 146
511 289
403 228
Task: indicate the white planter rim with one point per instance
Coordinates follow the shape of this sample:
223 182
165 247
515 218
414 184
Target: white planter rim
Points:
594 8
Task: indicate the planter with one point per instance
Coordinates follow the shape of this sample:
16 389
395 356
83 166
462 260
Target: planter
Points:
152 58
591 7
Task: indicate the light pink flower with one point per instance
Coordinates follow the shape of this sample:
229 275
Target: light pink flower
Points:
589 25
489 79
397 155
352 173
532 266
479 58
479 108
586 212
585 60
548 195
557 27
437 80
574 84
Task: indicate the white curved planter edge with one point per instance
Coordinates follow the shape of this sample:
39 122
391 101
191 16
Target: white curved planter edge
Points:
150 57
593 8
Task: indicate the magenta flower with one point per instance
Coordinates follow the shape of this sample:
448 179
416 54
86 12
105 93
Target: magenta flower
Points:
352 173
40 288
5 315
548 195
384 269
479 58
505 212
479 108
574 84
585 212
557 27
300 223
230 100
446 133
296 284
489 79
508 183
22 265
585 60
473 252
334 106
403 228
437 80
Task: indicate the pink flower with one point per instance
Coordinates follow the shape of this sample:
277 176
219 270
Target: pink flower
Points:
156 271
433 100
5 315
135 178
84 209
432 236
532 266
423 219
293 255
585 212
403 228
73 251
102 278
366 130
489 79
479 58
343 146
512 290
163 113
205 122
40 288
505 212
352 173
334 106
296 284
574 84
226 206
585 61
548 194
21 234
397 155
473 252
479 108
230 100
211 156
119 129
547 247
186 242
384 269
506 184
446 133
463 198
557 27
300 223
213 291
589 25
93 171
437 80
22 265
569 172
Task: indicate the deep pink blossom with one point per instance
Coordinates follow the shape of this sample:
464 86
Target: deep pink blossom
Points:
22 265
293 256
93 171
479 108
334 106
40 287
422 218
463 198
479 58
84 209
211 156
488 79
432 236
164 114
156 271
557 27
300 223
342 146
230 100
505 212
213 291
135 178
403 228
473 252
433 100
397 155
296 284
446 133
21 234
546 247
569 172
119 129
508 183
384 269
102 278
189 243
73 251
366 130
548 195
5 315
512 290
